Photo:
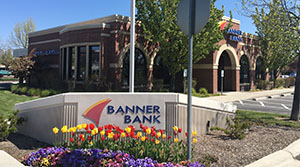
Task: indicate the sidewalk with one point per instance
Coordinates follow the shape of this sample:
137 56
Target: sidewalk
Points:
235 96
8 161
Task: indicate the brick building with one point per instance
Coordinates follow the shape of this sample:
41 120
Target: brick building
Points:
95 53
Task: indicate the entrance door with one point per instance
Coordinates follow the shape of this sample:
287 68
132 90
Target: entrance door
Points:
225 64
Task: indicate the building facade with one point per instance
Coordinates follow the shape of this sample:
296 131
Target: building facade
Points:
94 55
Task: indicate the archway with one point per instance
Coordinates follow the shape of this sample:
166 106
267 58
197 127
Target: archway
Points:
140 72
225 64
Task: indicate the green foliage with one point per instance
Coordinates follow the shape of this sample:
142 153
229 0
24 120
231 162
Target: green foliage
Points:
277 40
159 22
203 91
45 93
236 128
289 82
8 125
207 160
19 37
31 92
158 85
279 83
14 88
21 67
6 58
23 90
262 84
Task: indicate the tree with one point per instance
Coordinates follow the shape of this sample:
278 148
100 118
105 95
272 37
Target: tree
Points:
19 37
275 39
6 58
291 10
159 22
21 67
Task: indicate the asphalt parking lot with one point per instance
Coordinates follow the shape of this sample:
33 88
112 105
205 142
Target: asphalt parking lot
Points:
280 104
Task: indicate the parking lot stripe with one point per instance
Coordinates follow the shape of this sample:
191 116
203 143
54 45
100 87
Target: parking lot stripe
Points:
261 103
241 102
284 106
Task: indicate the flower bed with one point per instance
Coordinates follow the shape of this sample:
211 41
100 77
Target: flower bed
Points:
85 147
56 156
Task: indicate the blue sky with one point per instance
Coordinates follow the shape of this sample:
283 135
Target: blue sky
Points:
52 13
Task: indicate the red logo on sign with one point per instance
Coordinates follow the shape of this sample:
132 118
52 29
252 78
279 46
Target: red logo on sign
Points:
94 112
222 25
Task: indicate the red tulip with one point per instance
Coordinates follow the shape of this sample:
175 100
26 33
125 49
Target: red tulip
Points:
82 139
161 131
87 127
179 130
153 140
90 138
92 126
185 134
141 126
103 138
169 137
100 128
88 131
71 139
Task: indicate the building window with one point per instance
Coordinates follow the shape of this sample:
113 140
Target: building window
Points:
81 63
64 63
94 63
244 71
259 71
140 72
71 63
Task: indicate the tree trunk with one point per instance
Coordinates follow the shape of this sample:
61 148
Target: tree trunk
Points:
295 109
21 79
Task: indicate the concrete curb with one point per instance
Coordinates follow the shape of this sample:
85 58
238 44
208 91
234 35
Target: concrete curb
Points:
282 158
8 161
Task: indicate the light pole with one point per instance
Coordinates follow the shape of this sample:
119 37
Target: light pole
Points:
132 49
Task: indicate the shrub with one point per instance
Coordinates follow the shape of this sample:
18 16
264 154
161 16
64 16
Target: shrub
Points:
289 82
262 84
37 92
236 128
8 125
45 93
23 90
14 88
203 91
31 92
279 83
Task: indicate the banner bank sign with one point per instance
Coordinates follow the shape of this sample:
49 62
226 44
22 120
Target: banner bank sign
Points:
124 111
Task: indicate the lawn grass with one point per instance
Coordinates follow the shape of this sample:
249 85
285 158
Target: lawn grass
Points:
9 79
267 118
8 101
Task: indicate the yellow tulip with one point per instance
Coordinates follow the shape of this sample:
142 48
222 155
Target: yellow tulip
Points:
194 140
73 129
55 130
157 141
123 134
84 125
102 132
128 129
94 131
158 134
64 129
143 138
79 127
164 136
139 134
90 143
111 135
175 128
176 140
148 131
194 133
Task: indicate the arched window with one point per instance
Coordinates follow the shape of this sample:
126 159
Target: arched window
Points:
259 71
140 66
244 70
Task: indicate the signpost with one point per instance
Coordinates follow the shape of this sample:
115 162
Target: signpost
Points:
222 81
184 79
132 49
192 15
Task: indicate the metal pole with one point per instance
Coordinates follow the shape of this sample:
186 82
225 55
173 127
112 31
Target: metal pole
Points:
222 85
132 49
190 76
